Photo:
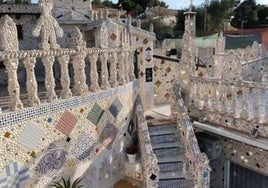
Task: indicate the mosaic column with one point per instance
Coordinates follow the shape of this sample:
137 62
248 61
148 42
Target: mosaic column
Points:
80 86
13 84
49 80
31 83
65 78
104 71
244 113
121 68
131 66
113 70
94 77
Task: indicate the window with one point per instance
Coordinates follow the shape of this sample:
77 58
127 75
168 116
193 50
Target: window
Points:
20 32
241 177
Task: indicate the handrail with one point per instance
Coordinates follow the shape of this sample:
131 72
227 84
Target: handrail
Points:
149 160
198 162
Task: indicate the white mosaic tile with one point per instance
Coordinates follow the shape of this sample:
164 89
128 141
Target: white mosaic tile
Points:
31 135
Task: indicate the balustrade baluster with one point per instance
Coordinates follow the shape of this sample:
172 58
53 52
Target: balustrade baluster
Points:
31 83
13 84
113 71
131 66
94 77
219 98
121 68
49 80
126 66
244 113
233 100
80 86
65 78
197 94
256 108
211 96
264 102
104 71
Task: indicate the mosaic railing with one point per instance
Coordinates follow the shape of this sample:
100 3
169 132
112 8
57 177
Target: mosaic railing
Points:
229 104
148 158
120 72
198 162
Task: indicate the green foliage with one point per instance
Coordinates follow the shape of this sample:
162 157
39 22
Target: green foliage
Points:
246 15
140 5
67 183
262 14
161 30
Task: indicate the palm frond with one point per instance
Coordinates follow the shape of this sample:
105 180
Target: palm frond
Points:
76 182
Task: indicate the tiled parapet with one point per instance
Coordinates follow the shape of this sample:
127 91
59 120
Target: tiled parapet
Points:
150 167
198 162
55 139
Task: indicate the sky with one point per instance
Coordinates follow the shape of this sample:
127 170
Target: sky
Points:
179 4
172 4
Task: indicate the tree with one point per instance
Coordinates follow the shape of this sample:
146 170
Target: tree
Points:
262 14
161 30
245 15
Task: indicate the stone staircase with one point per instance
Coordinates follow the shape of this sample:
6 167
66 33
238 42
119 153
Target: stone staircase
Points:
170 155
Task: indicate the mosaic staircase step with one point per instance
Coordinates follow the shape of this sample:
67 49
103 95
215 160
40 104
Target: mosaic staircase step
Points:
172 175
164 152
164 131
172 167
176 183
170 159
167 145
156 139
162 127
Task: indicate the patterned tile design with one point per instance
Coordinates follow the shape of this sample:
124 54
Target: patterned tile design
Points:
30 113
52 160
83 147
31 135
67 123
95 114
13 175
116 107
108 134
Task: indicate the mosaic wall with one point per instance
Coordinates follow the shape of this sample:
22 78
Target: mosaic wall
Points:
85 140
165 73
239 153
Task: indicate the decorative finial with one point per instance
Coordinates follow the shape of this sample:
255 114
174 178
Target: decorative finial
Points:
191 6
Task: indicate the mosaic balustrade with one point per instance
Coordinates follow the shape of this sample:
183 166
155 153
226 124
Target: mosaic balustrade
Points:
198 162
149 161
230 104
108 78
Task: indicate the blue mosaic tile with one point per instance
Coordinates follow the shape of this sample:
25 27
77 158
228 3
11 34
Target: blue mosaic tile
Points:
116 107
13 175
95 114
31 135
83 147
53 159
